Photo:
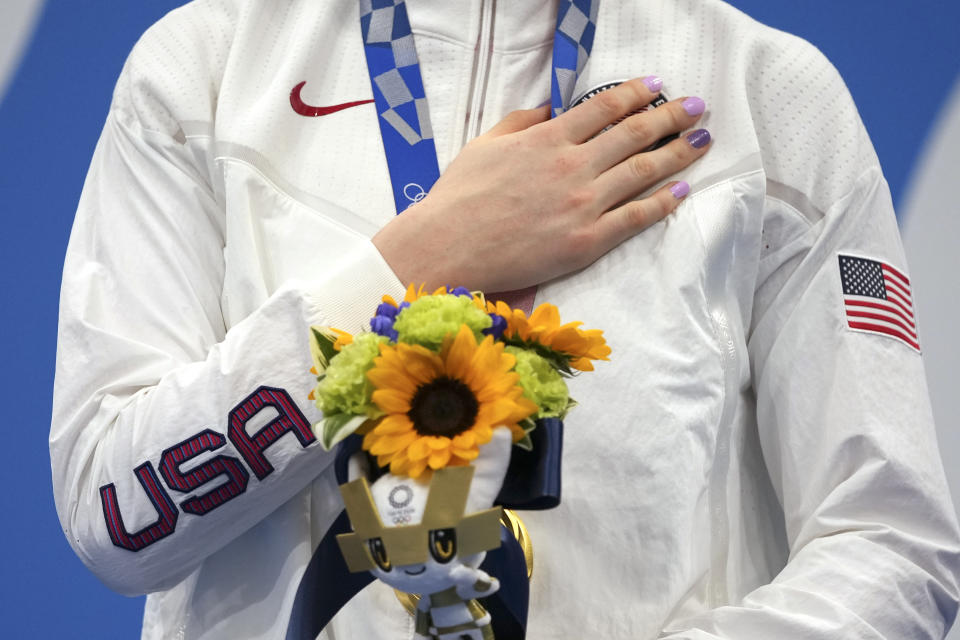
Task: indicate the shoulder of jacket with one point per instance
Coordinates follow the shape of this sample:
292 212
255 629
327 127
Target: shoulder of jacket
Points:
174 71
811 139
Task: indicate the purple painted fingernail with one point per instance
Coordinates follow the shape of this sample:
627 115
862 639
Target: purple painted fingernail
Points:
680 190
694 106
699 138
654 83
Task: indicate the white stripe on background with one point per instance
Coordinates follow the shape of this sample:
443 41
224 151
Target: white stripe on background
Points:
931 235
18 18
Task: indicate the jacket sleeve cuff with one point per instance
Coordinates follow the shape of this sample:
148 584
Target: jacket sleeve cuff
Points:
348 298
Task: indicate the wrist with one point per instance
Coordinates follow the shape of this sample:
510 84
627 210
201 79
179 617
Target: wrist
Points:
405 247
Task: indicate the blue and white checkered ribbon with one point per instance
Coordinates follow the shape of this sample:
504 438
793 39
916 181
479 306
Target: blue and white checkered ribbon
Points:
401 100
572 44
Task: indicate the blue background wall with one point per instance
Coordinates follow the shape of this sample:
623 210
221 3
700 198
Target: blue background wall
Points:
900 60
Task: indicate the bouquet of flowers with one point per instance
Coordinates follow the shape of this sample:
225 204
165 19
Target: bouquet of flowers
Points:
439 371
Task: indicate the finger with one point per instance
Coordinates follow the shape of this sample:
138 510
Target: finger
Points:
586 120
641 131
641 171
628 220
519 120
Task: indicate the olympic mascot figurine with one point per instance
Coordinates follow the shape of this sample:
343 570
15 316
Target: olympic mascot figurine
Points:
429 538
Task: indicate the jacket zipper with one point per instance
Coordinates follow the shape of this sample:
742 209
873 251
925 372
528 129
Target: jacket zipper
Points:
481 70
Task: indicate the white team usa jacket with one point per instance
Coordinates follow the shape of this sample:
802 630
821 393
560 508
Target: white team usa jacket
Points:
756 460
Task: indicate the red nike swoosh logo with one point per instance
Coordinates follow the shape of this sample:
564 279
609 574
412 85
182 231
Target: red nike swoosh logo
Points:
309 111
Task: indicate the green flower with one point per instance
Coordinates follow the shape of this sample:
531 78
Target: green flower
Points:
345 388
541 383
429 320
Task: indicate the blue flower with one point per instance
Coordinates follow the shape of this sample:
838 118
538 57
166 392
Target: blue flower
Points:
387 310
383 326
461 291
497 328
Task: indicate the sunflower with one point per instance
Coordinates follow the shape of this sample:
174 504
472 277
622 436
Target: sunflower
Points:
441 407
574 346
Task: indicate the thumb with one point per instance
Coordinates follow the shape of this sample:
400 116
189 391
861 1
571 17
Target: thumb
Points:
519 120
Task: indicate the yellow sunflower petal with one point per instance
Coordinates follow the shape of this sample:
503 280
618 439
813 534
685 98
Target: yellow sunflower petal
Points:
392 444
503 309
496 412
514 317
343 339
498 386
399 466
582 364
411 293
465 440
388 372
421 364
416 469
524 408
569 340
439 459
579 343
415 293
521 324
489 363
545 315
388 378
465 454
483 432
392 400
419 450
393 424
457 362
436 443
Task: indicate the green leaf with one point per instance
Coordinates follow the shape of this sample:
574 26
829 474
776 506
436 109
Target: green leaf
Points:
526 443
571 403
559 360
338 426
321 347
528 425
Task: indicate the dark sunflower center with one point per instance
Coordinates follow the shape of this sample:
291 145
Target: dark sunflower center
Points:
443 407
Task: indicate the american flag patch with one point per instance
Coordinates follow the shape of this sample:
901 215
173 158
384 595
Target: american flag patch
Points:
877 299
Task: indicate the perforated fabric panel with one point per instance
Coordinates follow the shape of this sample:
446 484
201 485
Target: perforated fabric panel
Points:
173 73
780 97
